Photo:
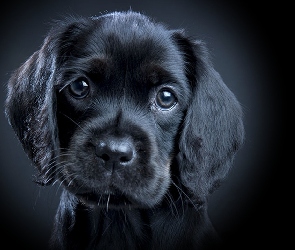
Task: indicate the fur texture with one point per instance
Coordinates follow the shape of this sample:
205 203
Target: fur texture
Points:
133 121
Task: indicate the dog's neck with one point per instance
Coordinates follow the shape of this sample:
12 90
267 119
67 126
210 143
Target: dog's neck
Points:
84 227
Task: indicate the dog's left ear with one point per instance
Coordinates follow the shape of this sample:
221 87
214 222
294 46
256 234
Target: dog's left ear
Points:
213 129
30 108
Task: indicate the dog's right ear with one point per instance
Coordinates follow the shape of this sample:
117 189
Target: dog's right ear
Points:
30 108
30 103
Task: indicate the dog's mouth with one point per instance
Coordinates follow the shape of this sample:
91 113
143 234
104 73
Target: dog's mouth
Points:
108 201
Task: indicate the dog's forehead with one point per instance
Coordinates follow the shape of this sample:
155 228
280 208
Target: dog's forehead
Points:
120 49
133 40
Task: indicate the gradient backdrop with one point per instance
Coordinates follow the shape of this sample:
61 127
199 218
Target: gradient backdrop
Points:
243 49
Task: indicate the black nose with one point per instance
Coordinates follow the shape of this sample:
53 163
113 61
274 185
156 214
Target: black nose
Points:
115 151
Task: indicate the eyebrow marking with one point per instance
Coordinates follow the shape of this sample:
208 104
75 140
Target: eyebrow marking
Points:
157 75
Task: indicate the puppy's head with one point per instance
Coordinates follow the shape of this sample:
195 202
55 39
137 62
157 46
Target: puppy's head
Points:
116 107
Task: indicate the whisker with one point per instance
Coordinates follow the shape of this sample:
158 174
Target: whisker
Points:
98 203
76 176
107 228
108 202
63 180
173 206
56 165
78 125
180 196
184 194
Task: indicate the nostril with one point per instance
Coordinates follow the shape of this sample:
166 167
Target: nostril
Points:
102 150
114 150
126 156
105 157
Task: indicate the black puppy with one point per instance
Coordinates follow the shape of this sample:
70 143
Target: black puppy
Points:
133 121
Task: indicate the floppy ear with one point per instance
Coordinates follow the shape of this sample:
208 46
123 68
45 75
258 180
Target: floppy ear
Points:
30 108
31 100
213 129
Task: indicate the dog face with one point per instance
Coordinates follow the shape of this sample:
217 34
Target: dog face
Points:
117 108
121 97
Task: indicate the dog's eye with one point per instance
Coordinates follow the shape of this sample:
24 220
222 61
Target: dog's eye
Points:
79 88
165 99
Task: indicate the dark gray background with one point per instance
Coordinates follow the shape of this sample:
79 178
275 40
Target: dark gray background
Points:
243 38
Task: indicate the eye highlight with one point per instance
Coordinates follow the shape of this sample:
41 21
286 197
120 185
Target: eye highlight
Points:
79 88
165 99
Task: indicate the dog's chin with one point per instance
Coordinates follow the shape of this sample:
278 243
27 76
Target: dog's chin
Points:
110 201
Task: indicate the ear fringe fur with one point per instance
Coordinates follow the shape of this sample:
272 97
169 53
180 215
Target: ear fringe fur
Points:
29 108
213 128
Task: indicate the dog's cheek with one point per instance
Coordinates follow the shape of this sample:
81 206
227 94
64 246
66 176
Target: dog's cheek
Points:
153 192
167 136
80 166
162 184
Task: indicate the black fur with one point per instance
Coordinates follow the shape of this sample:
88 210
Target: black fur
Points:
140 146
